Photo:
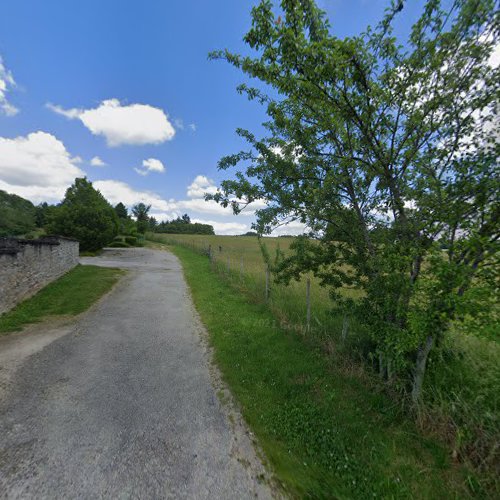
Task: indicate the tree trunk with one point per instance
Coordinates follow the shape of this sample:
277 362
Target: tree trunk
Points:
418 377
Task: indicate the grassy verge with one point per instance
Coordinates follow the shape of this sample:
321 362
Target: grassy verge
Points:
327 433
461 393
71 294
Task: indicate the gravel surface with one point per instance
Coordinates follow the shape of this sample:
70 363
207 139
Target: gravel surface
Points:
125 404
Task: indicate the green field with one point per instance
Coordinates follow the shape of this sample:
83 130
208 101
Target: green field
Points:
462 394
326 430
243 257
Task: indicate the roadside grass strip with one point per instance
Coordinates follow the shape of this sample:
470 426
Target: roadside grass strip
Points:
325 433
69 295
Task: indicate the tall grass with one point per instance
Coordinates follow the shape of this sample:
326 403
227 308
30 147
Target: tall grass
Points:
462 387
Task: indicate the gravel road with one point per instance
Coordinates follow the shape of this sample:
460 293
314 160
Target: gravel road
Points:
125 404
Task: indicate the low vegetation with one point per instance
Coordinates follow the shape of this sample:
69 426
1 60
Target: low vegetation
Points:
17 215
327 430
461 392
181 225
71 294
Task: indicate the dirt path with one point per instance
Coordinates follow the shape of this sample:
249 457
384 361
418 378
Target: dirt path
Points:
124 403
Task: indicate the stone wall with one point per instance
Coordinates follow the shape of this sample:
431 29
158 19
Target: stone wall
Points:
26 266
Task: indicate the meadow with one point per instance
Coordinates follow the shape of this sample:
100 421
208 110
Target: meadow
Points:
462 385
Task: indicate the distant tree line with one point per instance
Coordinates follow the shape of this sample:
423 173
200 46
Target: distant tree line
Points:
183 225
86 215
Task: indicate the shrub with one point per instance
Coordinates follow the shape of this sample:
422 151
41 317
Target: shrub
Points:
118 244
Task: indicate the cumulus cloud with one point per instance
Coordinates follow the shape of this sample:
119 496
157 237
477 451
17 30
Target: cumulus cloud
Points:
37 167
7 83
291 228
201 185
97 162
161 209
133 124
117 191
202 206
225 227
150 165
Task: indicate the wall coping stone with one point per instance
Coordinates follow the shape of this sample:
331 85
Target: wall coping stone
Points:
12 246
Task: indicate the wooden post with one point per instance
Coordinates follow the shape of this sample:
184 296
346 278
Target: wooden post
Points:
345 328
308 303
267 283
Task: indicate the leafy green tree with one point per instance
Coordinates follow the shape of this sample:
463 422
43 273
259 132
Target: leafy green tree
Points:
43 214
17 215
85 215
153 224
125 223
140 212
388 151
121 211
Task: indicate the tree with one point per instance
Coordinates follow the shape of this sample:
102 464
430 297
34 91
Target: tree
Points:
121 211
186 219
85 214
17 215
140 212
388 152
153 223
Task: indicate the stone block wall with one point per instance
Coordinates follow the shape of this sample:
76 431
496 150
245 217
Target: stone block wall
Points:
26 266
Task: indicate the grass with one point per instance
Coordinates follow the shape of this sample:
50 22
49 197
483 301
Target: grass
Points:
69 295
462 385
327 433
243 255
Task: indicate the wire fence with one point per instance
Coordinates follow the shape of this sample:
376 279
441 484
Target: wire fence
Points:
295 306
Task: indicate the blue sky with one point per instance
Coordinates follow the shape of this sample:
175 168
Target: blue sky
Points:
129 83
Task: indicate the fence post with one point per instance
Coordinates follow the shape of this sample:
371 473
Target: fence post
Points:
267 283
308 303
345 328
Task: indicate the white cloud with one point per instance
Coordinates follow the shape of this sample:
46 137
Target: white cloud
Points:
37 167
201 185
202 206
141 172
291 228
97 162
150 165
117 191
179 124
161 209
225 227
6 84
133 124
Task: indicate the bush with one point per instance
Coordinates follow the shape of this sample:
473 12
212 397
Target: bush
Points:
131 240
118 244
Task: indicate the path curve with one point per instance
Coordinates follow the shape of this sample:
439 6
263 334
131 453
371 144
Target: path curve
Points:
125 404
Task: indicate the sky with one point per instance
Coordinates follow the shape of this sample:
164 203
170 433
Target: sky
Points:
123 92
